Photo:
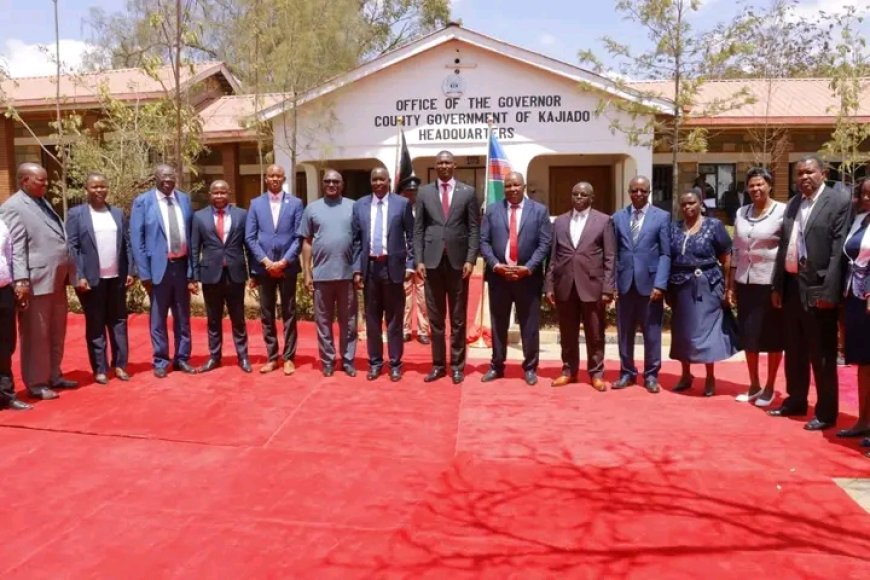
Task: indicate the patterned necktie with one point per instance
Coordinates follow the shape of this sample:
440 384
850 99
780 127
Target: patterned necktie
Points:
514 245
220 224
635 226
378 235
174 229
445 199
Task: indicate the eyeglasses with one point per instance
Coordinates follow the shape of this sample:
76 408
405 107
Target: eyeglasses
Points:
331 181
638 190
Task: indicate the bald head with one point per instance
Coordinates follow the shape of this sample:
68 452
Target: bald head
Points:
32 179
275 179
514 188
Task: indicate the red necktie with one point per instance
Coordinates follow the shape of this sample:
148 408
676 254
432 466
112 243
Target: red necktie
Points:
445 199
220 224
514 247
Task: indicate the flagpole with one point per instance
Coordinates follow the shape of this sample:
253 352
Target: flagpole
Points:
401 125
481 342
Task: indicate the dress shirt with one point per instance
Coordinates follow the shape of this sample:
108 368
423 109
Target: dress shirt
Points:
450 189
641 217
275 206
228 221
792 258
106 234
5 256
507 248
373 216
164 213
578 222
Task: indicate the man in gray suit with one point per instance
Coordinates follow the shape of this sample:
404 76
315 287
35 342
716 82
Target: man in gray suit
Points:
41 267
446 242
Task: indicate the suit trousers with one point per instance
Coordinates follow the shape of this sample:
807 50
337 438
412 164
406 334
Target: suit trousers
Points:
446 288
232 295
42 328
331 298
171 295
526 294
633 309
592 315
384 300
8 337
105 308
270 289
810 342
415 299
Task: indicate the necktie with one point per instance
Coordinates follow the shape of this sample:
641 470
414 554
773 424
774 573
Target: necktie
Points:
174 230
514 245
377 237
445 199
635 226
46 209
220 224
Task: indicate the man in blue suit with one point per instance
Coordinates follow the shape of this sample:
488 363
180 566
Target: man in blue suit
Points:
160 224
383 233
220 263
99 244
270 233
515 239
643 264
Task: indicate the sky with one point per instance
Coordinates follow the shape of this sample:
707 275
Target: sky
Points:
557 28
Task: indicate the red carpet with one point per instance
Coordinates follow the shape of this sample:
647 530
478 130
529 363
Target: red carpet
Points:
228 475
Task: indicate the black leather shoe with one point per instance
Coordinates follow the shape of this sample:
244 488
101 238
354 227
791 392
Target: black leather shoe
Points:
786 412
373 373
853 432
423 339
395 374
349 370
435 374
160 372
865 442
210 365
63 383
684 384
709 387
328 370
406 338
16 405
531 378
42 392
245 365
623 382
457 377
816 425
183 366
490 376
652 385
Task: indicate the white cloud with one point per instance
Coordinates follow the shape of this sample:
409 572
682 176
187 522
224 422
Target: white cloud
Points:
27 60
547 39
811 8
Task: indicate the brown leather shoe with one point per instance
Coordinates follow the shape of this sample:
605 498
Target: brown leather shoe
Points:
563 380
289 368
600 384
269 367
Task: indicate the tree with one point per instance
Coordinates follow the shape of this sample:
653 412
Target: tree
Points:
683 58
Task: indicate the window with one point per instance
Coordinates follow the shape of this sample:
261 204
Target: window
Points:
720 176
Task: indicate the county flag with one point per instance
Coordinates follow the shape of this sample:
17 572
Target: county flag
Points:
499 167
404 170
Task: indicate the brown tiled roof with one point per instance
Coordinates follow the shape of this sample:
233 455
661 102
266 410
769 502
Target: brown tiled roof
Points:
797 101
227 118
125 84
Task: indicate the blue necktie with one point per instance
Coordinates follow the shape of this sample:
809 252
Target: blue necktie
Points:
377 239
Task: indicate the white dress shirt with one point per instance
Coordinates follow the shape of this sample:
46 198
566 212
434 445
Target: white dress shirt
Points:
451 186
228 221
5 256
578 222
792 256
106 234
507 248
164 213
275 206
372 217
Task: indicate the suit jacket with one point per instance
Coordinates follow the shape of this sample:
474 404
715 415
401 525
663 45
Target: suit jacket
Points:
534 236
39 248
209 253
588 268
646 263
824 235
148 238
459 233
264 240
83 244
400 235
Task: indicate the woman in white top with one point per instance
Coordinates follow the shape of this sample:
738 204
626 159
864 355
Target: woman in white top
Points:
757 231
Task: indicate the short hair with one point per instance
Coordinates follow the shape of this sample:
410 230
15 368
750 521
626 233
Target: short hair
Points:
859 186
26 169
759 172
815 159
95 175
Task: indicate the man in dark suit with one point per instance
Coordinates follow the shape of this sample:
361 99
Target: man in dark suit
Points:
580 284
40 266
270 233
383 231
807 282
446 242
160 224
219 256
8 331
515 239
643 264
99 243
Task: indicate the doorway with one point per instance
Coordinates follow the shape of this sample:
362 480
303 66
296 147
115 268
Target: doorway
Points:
563 179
